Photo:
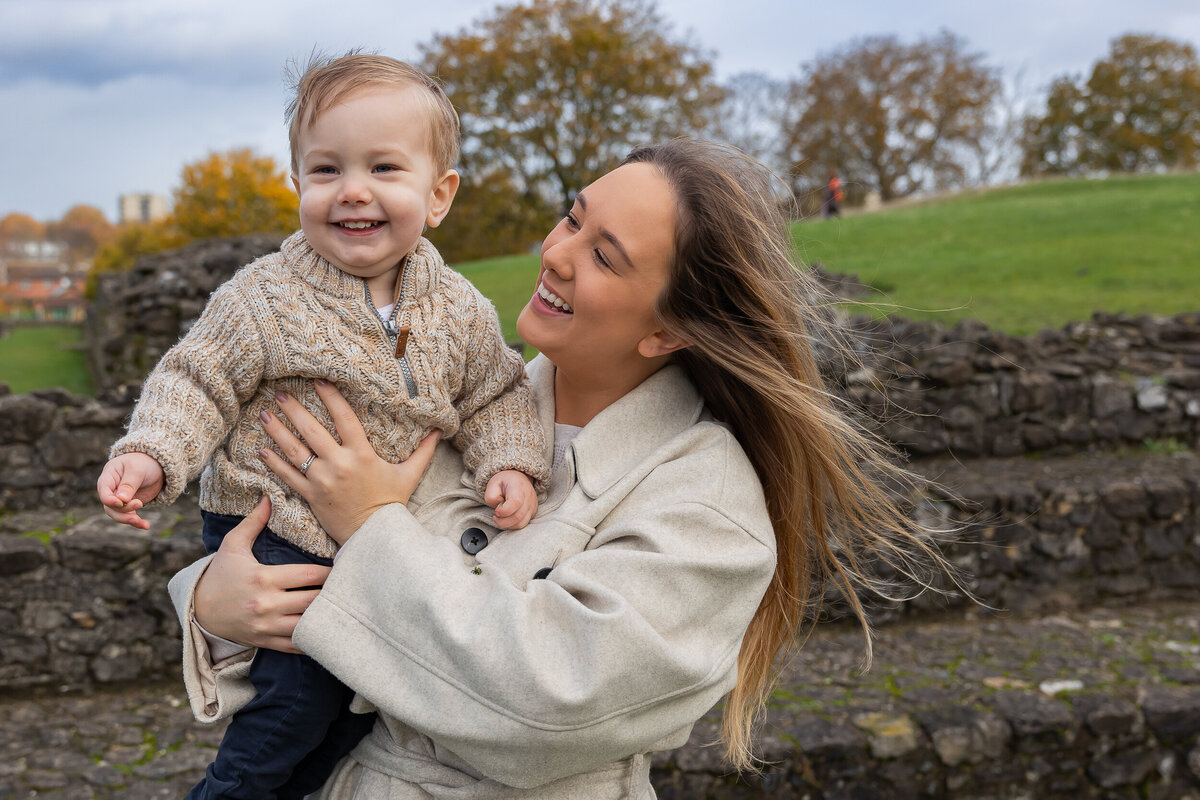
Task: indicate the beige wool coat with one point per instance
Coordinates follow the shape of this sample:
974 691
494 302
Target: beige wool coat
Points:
549 663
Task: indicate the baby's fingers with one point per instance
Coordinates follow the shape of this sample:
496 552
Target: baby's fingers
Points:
128 517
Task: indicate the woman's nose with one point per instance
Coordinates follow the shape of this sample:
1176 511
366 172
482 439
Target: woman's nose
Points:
556 257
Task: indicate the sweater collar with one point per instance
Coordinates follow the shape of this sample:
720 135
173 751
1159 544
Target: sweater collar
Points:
619 437
420 275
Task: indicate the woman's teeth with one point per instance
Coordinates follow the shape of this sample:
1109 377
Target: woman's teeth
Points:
553 299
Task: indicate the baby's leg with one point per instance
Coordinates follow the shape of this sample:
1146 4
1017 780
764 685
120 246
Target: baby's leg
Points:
285 742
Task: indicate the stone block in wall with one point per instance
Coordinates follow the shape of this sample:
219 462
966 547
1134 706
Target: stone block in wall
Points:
963 735
74 448
95 546
20 468
1039 723
1110 397
24 418
1035 391
1172 712
1126 499
1114 719
20 554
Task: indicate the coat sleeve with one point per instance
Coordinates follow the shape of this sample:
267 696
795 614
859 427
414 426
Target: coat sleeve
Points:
190 402
214 691
499 427
623 644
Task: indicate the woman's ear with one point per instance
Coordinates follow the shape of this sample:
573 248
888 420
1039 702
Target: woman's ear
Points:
441 197
660 343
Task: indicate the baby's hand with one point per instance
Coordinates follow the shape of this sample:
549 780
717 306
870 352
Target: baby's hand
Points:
512 496
127 483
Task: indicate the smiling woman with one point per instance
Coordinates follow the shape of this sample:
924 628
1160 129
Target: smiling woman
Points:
705 494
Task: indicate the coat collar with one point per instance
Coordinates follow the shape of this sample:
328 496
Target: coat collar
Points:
420 276
657 410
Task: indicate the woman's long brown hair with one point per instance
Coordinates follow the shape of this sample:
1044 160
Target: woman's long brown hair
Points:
751 318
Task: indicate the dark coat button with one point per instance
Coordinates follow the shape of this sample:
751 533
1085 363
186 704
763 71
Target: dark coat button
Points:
542 573
473 540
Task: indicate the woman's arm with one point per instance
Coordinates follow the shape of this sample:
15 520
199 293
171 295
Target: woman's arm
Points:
235 597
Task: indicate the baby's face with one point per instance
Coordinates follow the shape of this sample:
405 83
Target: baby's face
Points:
367 180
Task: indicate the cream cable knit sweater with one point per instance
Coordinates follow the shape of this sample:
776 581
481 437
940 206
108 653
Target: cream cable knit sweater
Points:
292 316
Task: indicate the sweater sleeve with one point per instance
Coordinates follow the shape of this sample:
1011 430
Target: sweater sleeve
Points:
191 400
499 427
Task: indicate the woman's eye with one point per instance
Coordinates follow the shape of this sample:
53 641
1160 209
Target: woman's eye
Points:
571 221
600 259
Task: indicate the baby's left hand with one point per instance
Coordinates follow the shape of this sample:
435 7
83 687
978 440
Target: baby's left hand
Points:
512 495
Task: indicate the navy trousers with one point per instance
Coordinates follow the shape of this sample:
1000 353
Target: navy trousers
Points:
285 742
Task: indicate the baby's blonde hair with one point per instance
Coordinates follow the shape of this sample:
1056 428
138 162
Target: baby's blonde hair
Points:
324 82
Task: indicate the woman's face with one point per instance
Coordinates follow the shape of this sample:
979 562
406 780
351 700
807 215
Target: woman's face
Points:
603 267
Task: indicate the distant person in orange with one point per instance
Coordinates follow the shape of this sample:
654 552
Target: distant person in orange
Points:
833 196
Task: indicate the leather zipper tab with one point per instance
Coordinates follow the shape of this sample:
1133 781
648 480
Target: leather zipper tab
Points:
401 341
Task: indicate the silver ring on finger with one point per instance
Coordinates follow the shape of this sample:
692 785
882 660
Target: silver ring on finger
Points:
307 463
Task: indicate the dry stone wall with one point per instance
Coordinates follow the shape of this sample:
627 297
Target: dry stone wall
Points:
1068 456
137 315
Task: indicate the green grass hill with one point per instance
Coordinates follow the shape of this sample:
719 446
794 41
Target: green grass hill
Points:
1026 257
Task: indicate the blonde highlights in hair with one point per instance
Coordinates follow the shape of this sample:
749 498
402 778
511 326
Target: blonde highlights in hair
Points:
324 82
750 316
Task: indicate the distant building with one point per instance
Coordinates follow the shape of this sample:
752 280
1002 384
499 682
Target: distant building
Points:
141 208
38 282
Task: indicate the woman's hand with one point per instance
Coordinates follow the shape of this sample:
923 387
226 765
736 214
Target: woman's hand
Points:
346 483
244 601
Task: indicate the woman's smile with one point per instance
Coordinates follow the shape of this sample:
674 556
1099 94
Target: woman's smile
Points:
550 302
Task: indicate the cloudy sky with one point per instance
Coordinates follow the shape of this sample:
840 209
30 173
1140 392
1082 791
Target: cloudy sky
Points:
104 97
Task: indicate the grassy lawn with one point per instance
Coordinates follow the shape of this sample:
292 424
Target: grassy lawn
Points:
508 281
1028 257
43 357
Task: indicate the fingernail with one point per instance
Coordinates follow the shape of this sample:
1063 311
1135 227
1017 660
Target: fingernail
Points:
280 397
264 416
262 454
322 382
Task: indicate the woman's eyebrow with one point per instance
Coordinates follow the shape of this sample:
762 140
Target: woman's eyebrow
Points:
607 235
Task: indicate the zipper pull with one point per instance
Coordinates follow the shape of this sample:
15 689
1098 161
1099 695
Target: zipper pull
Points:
389 327
401 339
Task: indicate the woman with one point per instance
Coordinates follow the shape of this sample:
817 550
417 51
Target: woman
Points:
710 492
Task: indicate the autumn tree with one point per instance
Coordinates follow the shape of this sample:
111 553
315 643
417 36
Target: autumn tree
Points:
224 194
491 216
1139 110
234 193
890 116
557 91
84 229
751 116
18 227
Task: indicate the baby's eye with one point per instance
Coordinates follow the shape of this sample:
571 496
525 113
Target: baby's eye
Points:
386 168
324 171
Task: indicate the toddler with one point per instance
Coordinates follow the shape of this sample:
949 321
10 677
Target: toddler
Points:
357 297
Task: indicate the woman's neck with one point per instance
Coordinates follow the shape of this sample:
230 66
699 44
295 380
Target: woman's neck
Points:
580 396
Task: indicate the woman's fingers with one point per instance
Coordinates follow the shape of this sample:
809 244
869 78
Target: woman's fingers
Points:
313 432
345 421
286 472
289 443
